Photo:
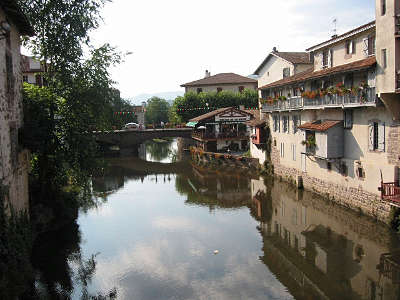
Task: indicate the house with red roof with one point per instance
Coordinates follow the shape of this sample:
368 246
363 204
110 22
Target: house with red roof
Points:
334 124
220 82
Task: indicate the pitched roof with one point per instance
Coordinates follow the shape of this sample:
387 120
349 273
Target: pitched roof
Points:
292 57
14 12
310 74
343 36
216 112
319 125
221 78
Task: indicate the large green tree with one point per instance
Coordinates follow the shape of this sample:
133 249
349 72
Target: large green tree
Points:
192 104
78 74
156 110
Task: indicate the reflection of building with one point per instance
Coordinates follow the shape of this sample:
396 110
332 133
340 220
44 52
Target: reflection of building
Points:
222 129
14 161
322 250
336 124
220 82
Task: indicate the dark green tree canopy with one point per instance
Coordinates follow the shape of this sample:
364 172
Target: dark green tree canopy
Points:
156 110
192 104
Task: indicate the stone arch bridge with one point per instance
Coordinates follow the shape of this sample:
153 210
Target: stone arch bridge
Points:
129 138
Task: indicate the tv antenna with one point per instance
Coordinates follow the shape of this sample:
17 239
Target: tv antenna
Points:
334 26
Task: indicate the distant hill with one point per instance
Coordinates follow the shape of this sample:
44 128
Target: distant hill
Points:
169 96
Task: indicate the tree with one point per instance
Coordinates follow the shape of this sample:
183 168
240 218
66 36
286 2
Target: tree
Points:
156 110
80 79
192 104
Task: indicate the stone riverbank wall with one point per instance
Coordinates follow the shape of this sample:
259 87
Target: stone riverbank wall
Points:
354 198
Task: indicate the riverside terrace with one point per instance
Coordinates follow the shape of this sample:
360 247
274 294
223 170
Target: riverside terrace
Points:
129 138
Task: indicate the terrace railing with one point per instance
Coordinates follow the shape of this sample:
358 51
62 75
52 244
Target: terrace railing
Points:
390 192
364 98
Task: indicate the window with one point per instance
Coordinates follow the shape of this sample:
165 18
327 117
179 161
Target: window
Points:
329 166
325 58
343 169
199 90
276 123
350 47
25 78
295 91
384 59
286 72
349 80
282 149
383 7
293 148
265 94
360 172
219 89
348 118
285 124
369 45
241 89
295 122
376 136
38 79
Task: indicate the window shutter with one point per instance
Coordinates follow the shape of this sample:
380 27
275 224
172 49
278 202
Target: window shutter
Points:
371 136
381 136
279 123
322 60
330 58
365 46
353 47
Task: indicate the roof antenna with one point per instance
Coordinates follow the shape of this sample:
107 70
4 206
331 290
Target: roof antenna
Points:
334 27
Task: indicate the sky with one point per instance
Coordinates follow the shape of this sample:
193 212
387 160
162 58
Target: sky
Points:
175 41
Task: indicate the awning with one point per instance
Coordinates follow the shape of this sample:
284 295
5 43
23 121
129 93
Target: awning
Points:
191 124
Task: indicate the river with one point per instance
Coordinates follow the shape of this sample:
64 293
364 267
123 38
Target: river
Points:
165 228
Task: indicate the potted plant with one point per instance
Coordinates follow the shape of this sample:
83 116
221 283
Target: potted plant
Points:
310 142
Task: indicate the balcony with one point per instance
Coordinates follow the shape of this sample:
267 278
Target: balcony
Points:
212 136
390 192
299 103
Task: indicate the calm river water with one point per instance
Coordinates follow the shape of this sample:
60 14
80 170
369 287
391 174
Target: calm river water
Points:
167 229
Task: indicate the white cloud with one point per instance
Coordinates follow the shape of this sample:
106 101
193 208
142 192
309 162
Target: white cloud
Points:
174 41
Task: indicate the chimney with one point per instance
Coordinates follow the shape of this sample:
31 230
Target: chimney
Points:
274 49
208 74
334 36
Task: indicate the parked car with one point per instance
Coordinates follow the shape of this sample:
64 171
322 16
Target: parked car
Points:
131 126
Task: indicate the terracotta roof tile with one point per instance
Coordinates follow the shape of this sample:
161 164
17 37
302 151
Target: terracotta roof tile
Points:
310 74
295 57
319 125
222 78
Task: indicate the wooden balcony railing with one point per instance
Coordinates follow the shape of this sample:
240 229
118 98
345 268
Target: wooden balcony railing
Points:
390 192
367 98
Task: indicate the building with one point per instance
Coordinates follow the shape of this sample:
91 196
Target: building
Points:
334 127
221 82
140 112
14 161
278 65
32 70
222 129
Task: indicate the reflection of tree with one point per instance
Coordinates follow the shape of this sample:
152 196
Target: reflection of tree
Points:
214 190
52 254
159 150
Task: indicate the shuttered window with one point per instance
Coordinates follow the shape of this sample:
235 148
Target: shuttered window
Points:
348 118
330 58
295 120
286 72
293 146
282 149
376 136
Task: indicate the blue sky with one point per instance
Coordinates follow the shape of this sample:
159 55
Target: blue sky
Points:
175 41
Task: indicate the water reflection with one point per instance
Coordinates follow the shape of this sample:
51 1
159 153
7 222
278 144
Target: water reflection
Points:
154 234
322 251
